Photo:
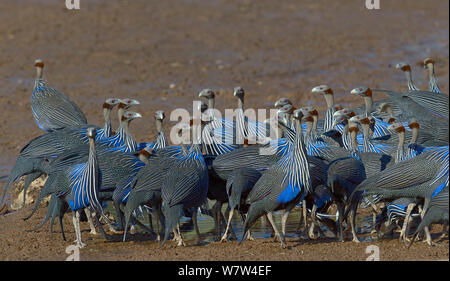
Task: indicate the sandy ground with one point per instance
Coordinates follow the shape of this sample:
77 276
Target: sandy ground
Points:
164 52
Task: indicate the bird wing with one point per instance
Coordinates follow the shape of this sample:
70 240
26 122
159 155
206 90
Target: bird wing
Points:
246 177
54 110
441 199
151 177
401 175
181 186
268 184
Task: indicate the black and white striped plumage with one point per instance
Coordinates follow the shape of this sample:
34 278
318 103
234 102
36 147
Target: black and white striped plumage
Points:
52 110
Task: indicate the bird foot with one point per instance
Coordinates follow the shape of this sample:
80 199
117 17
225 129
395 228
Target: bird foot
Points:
283 245
250 237
404 238
276 237
200 242
355 239
80 244
93 232
181 243
132 229
430 242
312 234
113 230
224 239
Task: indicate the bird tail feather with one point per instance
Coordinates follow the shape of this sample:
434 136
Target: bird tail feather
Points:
172 216
255 211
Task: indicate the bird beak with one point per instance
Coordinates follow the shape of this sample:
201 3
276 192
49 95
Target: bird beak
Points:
134 102
319 89
204 93
132 115
160 116
355 91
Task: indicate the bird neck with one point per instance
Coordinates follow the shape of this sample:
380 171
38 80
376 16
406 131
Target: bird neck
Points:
211 103
92 149
411 85
144 158
346 137
298 130
314 124
161 140
329 99
353 135
366 134
389 112
369 104
414 136
39 71
288 119
128 138
431 73
328 122
433 86
241 103
308 131
400 148
107 117
158 125
279 132
120 112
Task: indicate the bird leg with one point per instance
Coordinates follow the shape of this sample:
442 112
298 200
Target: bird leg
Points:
89 216
299 226
444 228
340 231
405 227
426 229
374 218
277 233
249 235
159 219
352 218
225 235
305 214
313 223
232 233
100 226
76 224
283 221
179 237
194 220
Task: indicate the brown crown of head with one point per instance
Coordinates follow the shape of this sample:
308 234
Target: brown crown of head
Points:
428 61
39 63
414 125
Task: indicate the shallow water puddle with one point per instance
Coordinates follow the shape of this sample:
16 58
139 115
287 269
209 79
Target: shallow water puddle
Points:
261 229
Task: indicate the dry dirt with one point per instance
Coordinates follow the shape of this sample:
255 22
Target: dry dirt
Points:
163 52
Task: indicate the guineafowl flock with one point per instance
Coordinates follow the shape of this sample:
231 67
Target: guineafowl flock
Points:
388 156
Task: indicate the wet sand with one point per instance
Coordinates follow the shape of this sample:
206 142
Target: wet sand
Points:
163 53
